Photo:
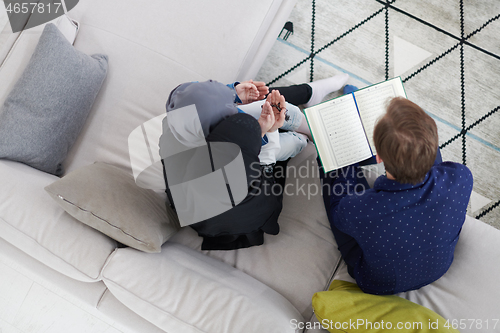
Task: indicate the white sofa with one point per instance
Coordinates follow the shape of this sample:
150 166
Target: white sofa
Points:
152 47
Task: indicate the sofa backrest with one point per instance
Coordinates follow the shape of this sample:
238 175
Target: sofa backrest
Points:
152 46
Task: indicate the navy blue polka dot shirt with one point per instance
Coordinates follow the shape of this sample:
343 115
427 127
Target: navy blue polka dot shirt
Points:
407 233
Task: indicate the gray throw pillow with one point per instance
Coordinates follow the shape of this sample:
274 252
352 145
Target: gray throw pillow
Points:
108 199
45 111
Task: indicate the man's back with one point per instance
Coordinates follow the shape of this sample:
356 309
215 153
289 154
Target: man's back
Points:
407 233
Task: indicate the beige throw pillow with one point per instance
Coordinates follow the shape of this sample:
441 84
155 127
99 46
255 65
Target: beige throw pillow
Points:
107 199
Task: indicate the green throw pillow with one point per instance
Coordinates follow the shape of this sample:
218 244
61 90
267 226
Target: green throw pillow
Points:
345 308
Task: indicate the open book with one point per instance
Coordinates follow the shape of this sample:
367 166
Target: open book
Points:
342 127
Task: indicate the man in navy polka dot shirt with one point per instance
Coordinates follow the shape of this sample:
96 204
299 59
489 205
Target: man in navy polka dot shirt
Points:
401 234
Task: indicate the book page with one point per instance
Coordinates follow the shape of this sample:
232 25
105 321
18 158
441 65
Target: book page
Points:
372 101
343 132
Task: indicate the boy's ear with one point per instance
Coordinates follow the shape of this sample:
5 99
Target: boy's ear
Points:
379 160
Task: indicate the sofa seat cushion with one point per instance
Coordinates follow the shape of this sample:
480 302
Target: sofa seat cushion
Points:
182 290
301 259
192 33
34 223
115 310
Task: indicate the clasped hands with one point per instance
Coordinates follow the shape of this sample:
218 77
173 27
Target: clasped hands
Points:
273 112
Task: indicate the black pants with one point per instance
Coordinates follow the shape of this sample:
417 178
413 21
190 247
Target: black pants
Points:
296 94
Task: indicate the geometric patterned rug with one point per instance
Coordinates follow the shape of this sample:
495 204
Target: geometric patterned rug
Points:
447 53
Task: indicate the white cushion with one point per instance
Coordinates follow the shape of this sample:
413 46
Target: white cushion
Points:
125 319
191 33
182 290
34 223
301 259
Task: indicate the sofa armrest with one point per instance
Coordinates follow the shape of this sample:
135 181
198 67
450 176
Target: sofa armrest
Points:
34 223
182 290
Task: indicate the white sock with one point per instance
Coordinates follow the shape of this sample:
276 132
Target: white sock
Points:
321 88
